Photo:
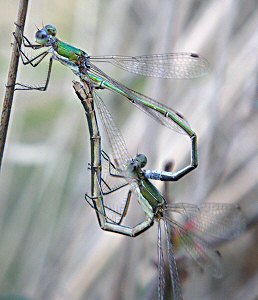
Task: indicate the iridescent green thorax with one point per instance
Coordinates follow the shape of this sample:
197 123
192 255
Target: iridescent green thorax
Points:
150 193
68 51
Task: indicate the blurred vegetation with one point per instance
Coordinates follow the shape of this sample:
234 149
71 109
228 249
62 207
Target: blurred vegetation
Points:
51 246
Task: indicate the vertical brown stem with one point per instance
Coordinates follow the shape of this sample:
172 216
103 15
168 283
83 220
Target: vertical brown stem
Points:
8 99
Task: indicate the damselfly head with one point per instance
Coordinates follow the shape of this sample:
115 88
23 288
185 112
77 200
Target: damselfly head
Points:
45 35
133 166
141 159
50 29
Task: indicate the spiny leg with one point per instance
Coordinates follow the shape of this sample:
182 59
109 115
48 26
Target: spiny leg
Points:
125 230
25 59
111 166
39 88
88 198
125 209
26 40
122 215
118 228
34 62
111 190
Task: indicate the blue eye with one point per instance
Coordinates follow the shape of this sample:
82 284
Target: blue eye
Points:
41 37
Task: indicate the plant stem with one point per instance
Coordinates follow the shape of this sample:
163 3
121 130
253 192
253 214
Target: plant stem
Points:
13 67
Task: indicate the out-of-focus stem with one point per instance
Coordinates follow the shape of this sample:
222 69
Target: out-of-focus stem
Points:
13 67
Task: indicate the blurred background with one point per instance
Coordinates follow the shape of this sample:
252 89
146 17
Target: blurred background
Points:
51 246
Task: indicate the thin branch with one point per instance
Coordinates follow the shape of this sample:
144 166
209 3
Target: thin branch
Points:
8 99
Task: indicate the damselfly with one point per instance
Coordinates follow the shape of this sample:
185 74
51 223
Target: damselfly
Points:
172 65
218 220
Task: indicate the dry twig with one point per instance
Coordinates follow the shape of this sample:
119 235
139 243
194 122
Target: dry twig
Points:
8 99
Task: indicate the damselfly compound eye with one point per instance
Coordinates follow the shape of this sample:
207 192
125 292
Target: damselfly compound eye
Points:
142 159
41 37
50 29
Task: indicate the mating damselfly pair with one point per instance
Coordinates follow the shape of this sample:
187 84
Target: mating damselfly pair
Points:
192 225
219 220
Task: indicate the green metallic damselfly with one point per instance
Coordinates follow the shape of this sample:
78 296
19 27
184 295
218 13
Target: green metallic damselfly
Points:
173 65
193 225
177 65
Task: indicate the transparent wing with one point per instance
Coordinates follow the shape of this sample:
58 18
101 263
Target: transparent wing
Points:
217 220
171 65
198 249
115 188
177 292
161 287
194 226
116 141
139 100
